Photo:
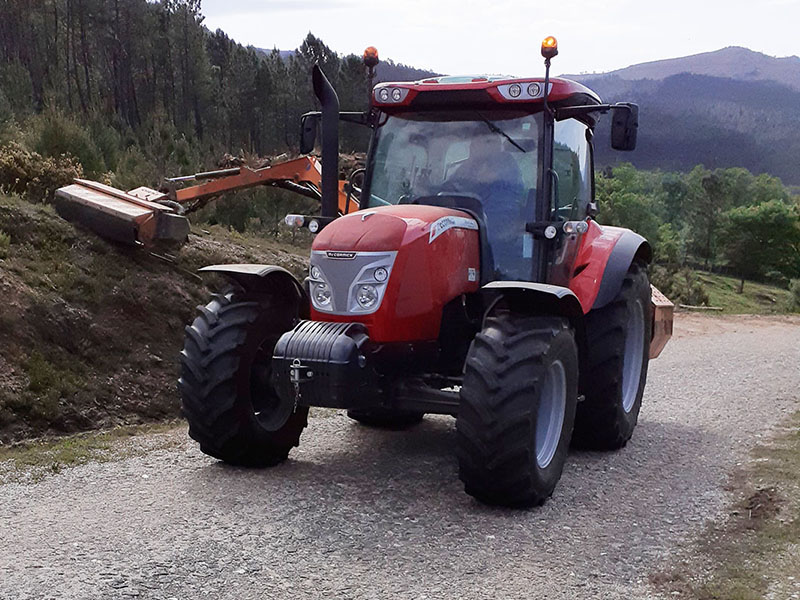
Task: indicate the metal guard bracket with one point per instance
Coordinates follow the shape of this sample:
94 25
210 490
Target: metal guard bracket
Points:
539 229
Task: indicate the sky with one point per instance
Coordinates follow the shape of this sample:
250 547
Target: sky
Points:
504 36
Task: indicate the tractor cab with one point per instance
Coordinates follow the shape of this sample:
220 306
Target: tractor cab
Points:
487 160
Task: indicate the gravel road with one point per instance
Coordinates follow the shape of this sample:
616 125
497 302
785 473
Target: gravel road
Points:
360 513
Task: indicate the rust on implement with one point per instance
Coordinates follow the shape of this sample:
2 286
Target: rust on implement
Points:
662 321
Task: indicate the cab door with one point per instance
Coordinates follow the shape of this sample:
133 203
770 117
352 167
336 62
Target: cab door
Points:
572 163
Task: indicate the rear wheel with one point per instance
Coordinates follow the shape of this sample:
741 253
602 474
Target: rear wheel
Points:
227 396
618 338
385 417
517 409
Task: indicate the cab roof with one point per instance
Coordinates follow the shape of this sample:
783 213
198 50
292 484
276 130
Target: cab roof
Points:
453 91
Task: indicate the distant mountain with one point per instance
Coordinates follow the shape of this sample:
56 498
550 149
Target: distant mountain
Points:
732 107
734 62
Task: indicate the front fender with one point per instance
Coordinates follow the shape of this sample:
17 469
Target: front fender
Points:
630 246
264 279
536 297
541 298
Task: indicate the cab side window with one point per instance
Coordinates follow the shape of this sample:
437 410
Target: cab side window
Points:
572 164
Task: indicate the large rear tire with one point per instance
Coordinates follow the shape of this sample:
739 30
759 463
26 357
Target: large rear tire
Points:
618 337
517 409
227 397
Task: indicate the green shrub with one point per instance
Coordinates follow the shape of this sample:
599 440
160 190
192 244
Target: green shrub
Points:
794 287
777 278
169 149
5 243
31 175
668 246
6 114
679 285
106 139
56 135
134 169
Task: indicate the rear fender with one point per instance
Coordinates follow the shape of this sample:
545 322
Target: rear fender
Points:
630 246
263 279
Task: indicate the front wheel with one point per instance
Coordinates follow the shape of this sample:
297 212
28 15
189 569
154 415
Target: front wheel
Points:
517 409
225 384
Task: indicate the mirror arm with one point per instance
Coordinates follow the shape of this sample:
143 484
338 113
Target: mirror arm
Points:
568 112
359 118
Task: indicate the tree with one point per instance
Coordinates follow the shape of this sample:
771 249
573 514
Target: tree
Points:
761 238
624 201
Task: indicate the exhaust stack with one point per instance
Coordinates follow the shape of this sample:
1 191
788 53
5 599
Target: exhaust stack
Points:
327 97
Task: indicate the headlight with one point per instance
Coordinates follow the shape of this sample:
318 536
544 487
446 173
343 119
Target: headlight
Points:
396 94
514 90
534 90
383 95
380 274
315 272
322 294
367 296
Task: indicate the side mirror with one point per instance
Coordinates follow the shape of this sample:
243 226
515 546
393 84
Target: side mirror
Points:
309 123
624 126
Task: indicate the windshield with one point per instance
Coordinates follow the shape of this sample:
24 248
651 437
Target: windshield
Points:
489 156
471 152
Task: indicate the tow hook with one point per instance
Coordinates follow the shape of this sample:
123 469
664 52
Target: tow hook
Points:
296 377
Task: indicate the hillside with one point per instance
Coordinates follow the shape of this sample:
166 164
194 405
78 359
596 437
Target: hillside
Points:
756 298
91 331
733 62
688 119
729 108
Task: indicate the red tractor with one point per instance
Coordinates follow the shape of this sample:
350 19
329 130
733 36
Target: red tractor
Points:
471 282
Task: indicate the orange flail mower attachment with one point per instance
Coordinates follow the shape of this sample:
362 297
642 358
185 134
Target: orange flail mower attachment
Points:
119 215
147 217
662 321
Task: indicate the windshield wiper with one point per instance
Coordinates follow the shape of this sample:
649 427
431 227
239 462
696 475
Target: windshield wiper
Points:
496 129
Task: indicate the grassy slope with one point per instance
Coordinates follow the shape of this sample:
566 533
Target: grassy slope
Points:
91 331
757 298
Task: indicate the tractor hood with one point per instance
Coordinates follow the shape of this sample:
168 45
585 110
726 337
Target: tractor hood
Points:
393 269
389 227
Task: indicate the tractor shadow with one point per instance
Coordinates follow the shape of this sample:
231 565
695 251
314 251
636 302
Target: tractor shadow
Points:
343 470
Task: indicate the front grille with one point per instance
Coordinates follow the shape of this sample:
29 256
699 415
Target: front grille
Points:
343 272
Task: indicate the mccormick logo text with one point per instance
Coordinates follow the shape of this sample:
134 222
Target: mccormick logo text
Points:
443 224
340 255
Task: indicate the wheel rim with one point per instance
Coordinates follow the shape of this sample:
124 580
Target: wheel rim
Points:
550 416
634 354
269 410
